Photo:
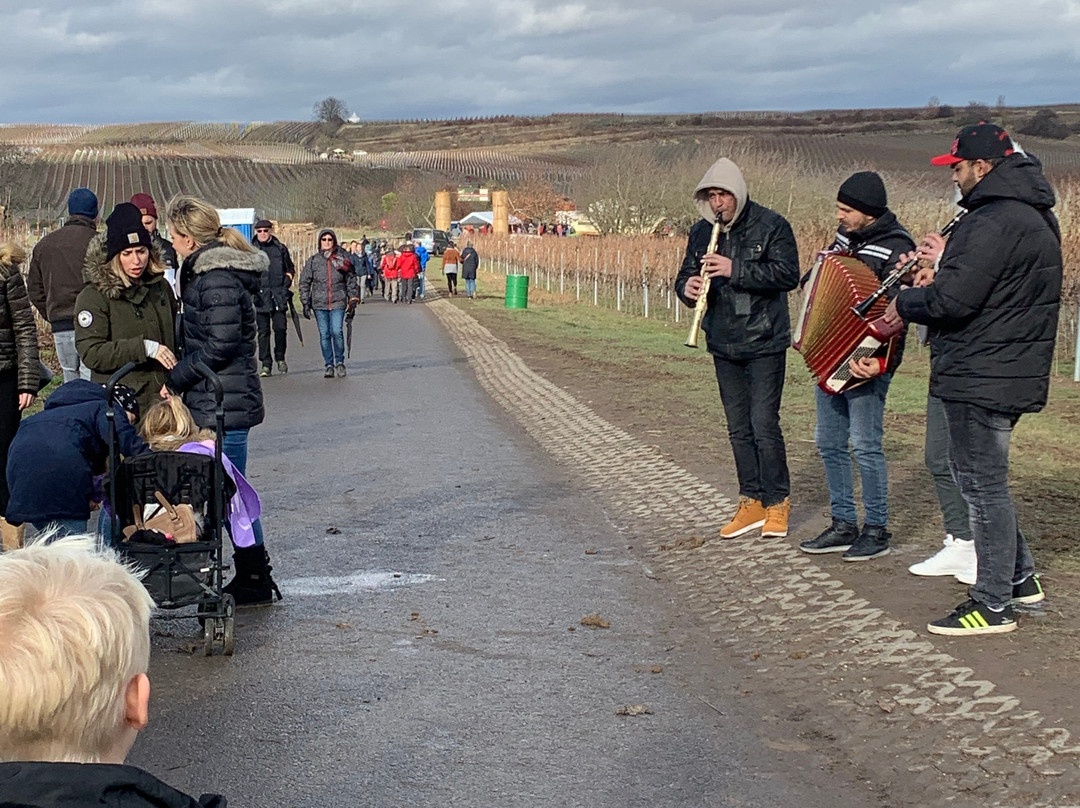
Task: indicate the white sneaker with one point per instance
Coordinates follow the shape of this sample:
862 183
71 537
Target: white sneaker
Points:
968 577
957 558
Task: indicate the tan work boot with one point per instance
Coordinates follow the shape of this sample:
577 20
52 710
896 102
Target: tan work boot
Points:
751 515
776 519
11 536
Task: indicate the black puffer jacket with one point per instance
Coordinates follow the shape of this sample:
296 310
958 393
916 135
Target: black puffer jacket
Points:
274 291
993 306
73 785
18 332
879 246
747 315
218 327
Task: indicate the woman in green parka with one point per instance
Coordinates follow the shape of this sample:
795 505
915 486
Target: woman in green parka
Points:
127 311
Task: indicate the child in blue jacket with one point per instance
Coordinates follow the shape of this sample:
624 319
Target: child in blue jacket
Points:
57 453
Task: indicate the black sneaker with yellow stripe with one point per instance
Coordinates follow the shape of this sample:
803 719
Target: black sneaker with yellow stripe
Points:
1028 590
972 617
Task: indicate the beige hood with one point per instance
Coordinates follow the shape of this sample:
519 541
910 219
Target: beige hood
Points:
726 175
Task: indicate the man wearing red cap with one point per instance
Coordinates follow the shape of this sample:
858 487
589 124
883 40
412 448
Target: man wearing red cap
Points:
992 310
145 204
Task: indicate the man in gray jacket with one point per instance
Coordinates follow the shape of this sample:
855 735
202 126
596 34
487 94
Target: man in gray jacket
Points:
56 277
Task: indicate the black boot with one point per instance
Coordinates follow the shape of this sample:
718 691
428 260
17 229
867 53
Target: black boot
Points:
252 584
873 542
837 538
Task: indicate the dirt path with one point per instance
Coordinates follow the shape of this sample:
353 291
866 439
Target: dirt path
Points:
841 653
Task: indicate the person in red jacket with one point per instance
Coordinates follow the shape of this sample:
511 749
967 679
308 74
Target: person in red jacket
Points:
408 267
389 269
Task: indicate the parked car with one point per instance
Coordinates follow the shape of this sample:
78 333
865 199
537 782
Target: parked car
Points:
434 241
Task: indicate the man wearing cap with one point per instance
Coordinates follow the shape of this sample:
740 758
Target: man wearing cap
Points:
55 277
272 299
855 418
145 204
992 309
748 331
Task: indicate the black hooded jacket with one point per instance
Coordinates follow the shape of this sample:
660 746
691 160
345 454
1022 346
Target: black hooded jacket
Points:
88 785
993 306
218 327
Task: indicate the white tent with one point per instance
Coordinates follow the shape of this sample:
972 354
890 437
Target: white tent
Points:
485 217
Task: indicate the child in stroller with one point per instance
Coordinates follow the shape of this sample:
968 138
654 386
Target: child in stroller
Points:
169 426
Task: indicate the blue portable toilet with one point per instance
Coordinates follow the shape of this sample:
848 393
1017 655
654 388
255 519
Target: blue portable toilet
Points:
242 219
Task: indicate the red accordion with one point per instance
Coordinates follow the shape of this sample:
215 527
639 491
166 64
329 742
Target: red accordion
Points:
829 333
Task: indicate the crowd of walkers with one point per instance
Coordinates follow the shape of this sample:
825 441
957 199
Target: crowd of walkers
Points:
127 296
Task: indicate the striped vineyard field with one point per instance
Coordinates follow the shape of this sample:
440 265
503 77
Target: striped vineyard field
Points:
481 164
39 190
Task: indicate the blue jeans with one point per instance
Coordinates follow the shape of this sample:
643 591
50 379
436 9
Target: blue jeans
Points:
470 287
422 286
750 390
63 527
234 446
68 356
855 417
331 338
979 456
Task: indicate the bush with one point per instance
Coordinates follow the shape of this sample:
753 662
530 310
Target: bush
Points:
1045 123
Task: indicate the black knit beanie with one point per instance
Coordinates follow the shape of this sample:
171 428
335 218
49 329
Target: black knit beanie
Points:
125 229
127 398
865 192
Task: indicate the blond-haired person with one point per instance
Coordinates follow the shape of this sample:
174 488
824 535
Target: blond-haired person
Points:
127 311
74 626
220 271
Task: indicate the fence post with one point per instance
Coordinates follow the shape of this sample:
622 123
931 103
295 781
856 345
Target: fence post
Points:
562 272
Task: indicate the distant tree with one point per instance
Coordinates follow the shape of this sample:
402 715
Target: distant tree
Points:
389 201
330 110
537 201
1045 123
975 112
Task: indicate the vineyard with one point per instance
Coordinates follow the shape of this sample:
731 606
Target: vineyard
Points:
278 191
481 164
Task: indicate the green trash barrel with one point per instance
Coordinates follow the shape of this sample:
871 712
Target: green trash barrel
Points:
517 291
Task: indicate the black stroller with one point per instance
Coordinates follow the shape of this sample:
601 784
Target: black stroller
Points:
177 575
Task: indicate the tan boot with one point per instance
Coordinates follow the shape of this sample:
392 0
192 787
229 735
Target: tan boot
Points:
11 536
751 515
776 519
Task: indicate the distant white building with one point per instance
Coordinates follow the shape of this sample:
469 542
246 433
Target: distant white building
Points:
354 118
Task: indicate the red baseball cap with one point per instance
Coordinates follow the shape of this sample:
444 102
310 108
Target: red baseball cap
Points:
981 141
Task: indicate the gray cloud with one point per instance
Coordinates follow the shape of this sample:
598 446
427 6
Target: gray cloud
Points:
273 59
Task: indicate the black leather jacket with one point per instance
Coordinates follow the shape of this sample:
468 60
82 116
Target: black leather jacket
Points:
747 316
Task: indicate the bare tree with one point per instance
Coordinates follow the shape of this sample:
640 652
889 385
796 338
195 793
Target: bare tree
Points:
330 110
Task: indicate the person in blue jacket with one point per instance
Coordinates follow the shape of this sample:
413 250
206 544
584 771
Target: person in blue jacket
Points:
57 453
424 256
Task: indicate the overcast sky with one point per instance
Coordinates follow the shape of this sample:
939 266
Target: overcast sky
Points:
263 60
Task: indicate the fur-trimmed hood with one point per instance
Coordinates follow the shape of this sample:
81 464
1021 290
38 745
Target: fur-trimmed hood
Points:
248 265
98 273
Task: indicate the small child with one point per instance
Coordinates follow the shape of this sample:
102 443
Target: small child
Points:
75 629
57 453
169 427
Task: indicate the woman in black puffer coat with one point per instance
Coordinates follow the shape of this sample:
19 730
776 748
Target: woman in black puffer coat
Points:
220 271
20 372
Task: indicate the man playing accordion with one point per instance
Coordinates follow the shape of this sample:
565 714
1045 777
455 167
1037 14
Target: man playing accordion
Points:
851 421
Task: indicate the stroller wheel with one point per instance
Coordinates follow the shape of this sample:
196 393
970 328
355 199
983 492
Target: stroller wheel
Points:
230 625
208 637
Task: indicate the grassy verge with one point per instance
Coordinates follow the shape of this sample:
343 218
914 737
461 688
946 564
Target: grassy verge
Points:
638 374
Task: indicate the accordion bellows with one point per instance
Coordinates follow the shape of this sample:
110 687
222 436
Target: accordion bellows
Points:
828 333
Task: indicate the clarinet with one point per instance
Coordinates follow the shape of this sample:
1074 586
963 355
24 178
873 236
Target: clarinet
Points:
894 277
702 303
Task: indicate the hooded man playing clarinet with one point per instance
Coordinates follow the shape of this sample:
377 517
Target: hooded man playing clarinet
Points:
748 331
852 421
